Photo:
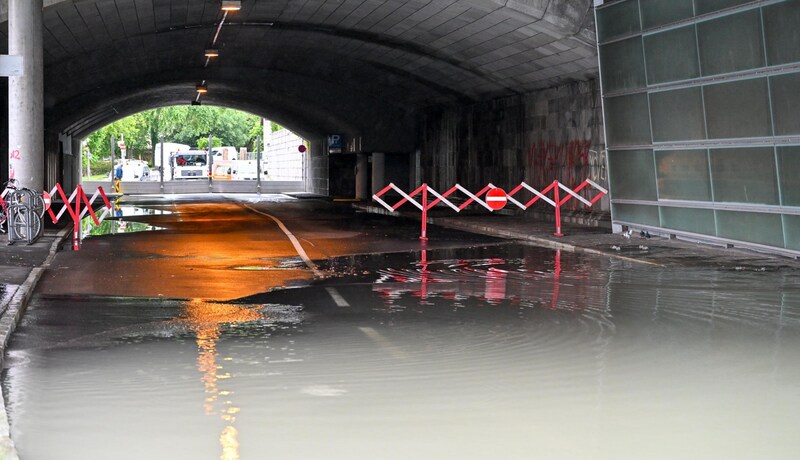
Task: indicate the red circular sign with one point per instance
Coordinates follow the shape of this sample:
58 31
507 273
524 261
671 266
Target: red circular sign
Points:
301 148
496 198
46 199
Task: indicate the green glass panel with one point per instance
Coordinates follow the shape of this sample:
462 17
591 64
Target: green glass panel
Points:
678 115
782 32
744 175
707 6
632 175
618 20
683 175
791 226
628 120
731 43
623 65
761 228
659 12
637 214
671 55
737 109
785 103
789 167
689 220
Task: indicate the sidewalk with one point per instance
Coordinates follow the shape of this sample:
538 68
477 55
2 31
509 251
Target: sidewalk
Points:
21 267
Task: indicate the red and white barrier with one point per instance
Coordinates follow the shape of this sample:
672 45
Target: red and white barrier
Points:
76 213
494 198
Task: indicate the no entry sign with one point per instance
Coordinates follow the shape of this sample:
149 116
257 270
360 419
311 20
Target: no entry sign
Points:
496 198
46 200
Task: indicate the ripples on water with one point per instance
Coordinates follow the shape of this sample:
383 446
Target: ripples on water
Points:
498 352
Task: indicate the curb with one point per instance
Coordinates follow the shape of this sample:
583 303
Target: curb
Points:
9 320
448 222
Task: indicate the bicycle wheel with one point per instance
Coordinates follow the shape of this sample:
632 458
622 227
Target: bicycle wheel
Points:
18 223
37 202
36 227
26 225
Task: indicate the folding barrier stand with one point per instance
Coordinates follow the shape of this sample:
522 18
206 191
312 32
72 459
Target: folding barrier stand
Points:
494 199
77 214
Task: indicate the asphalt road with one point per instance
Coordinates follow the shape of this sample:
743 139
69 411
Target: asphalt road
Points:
214 248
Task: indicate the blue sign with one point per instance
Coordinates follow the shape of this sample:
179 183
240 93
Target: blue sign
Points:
335 143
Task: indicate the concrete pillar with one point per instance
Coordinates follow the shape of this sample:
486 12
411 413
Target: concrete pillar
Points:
378 171
362 177
26 94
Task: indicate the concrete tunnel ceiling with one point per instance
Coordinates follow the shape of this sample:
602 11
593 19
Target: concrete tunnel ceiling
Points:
316 66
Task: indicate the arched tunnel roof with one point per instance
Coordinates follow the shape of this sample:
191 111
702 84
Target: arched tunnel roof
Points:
316 66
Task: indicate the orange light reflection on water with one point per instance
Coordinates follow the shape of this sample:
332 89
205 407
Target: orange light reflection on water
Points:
205 319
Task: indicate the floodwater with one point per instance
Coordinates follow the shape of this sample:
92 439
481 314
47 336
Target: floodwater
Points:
117 224
505 351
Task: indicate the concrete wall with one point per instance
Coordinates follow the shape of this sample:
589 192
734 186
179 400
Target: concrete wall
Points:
536 137
317 167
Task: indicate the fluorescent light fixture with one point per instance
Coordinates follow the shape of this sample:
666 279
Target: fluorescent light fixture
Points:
231 5
202 89
211 53
196 103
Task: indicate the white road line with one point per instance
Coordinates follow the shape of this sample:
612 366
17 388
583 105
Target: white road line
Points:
297 247
384 343
340 301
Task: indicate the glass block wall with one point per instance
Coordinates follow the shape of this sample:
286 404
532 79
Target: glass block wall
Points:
702 115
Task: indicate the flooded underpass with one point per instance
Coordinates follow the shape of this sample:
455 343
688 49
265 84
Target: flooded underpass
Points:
481 351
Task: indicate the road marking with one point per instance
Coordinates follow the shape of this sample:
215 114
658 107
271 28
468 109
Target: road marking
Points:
340 301
297 247
384 343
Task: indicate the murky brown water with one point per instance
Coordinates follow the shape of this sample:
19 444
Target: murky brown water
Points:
507 352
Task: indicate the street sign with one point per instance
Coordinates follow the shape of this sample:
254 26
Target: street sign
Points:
301 148
10 66
335 143
47 200
496 198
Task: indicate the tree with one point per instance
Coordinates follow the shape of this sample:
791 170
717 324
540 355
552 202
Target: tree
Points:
182 124
202 143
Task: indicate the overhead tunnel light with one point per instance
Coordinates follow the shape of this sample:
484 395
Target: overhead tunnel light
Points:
231 5
211 53
202 89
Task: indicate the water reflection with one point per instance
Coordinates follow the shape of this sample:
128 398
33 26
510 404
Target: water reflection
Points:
492 279
206 319
115 224
509 353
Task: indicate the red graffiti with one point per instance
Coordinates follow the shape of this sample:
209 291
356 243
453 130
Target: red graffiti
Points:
15 155
568 163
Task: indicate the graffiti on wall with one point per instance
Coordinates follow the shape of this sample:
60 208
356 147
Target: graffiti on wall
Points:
569 162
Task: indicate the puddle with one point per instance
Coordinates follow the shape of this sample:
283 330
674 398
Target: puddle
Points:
262 268
7 291
128 211
114 226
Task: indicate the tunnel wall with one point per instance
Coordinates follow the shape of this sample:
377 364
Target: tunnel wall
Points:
702 120
553 134
317 168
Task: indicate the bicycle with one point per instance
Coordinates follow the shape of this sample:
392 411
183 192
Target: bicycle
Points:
23 213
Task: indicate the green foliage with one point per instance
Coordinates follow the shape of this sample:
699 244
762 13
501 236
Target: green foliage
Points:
188 125
274 126
202 143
